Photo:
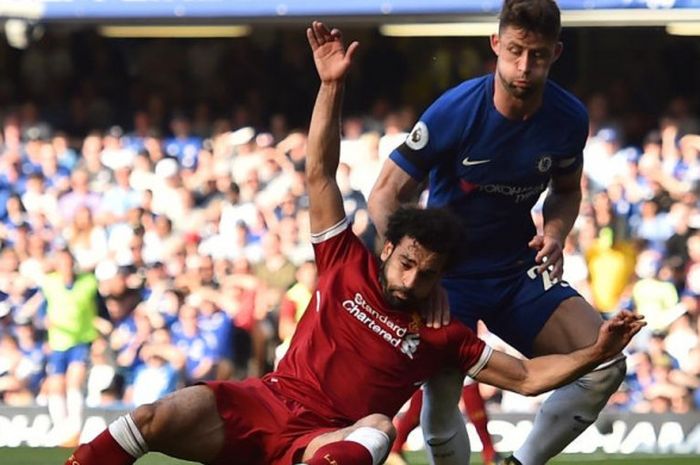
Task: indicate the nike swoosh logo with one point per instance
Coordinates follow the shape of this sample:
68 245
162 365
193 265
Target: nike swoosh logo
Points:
467 162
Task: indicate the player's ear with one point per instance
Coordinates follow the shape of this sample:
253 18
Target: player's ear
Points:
558 48
495 41
387 249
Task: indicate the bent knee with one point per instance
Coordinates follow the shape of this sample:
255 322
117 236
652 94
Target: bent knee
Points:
380 422
147 418
444 390
605 380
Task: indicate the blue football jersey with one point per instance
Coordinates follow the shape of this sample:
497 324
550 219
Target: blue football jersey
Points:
491 170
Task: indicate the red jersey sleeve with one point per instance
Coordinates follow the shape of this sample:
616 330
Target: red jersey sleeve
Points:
336 245
472 353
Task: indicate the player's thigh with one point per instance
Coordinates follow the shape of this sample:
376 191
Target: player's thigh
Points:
56 383
532 300
57 364
75 375
185 424
471 299
76 372
573 325
377 421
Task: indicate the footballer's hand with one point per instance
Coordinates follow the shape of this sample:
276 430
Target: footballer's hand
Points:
436 311
616 333
331 58
550 255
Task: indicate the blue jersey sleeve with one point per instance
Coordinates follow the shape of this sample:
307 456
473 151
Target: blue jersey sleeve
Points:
437 134
578 135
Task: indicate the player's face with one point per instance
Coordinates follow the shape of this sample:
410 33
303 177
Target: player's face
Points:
410 272
524 60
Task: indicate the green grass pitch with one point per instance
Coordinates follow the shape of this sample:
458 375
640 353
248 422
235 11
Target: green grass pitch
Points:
57 456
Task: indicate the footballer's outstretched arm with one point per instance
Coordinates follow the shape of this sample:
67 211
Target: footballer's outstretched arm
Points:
393 187
332 63
542 374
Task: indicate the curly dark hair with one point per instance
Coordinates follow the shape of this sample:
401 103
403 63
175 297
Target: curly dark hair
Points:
539 16
437 229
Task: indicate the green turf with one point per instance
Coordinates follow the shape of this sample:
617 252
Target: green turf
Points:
49 456
57 456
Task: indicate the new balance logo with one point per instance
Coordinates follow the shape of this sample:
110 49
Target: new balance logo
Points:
468 162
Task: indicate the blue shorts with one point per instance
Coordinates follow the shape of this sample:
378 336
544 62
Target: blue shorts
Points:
60 359
515 306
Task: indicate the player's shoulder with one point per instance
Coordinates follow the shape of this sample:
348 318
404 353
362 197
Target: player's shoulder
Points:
454 331
465 92
338 245
565 104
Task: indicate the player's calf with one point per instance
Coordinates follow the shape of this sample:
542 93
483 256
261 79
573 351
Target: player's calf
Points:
367 442
444 430
185 425
120 444
569 411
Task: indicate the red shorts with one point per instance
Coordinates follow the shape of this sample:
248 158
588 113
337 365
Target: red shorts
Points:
261 426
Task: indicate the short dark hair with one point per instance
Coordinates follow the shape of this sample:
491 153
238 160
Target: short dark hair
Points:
437 229
538 16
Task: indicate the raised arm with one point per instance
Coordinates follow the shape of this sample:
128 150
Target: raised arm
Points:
541 374
323 152
393 187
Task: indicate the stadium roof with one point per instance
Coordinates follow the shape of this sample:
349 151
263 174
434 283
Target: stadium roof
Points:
266 10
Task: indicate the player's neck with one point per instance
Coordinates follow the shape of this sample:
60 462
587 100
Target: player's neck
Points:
513 108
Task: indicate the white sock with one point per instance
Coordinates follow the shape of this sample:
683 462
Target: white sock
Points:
375 441
569 411
444 430
127 434
75 402
57 409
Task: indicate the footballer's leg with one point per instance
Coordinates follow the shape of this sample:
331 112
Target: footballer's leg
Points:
405 423
444 429
367 442
572 408
186 425
476 411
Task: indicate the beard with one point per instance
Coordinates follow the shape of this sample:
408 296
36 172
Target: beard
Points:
410 302
517 92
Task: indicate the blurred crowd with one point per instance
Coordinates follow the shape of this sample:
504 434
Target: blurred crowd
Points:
191 245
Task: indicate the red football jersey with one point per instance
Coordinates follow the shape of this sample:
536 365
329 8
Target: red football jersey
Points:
351 354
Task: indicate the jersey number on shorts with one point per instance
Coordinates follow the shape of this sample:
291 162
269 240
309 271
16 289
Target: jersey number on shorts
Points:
547 281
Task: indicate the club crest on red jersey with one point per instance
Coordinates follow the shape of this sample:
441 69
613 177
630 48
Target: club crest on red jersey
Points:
409 345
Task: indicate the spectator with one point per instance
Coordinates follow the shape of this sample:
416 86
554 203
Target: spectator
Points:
32 351
118 199
72 305
653 297
37 200
86 240
294 303
217 329
158 376
275 270
611 265
189 339
80 195
101 374
183 145
15 372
